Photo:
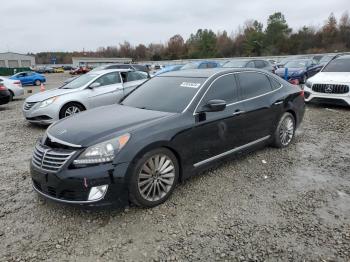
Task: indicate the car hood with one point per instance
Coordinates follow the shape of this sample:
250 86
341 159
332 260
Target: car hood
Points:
102 123
39 97
329 77
291 70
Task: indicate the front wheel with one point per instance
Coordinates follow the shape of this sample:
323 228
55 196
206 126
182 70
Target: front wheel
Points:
153 178
71 109
285 131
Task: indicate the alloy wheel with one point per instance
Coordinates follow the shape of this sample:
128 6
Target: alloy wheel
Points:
71 110
287 131
156 177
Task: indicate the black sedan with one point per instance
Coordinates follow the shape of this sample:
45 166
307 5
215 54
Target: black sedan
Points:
5 95
168 129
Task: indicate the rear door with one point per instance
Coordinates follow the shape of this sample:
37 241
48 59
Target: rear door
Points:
132 80
260 109
109 92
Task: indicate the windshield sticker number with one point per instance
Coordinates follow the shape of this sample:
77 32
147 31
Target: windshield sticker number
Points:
190 85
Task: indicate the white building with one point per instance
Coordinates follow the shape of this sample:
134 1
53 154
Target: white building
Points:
13 60
97 61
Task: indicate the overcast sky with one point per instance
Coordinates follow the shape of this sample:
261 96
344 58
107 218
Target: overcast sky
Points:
68 25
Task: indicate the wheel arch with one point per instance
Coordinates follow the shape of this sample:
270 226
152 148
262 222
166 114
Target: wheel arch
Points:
160 144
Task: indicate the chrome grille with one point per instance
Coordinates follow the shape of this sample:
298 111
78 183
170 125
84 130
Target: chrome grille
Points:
50 160
330 88
29 105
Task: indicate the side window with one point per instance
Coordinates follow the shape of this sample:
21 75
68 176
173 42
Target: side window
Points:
259 64
224 88
274 83
250 64
203 65
134 76
109 79
253 84
212 65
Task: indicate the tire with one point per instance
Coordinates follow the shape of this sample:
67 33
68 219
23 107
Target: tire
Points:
71 109
160 184
37 82
11 95
285 131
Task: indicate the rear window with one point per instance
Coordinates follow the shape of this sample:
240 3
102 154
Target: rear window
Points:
338 65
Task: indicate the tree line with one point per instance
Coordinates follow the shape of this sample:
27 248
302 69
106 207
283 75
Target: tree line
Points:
251 39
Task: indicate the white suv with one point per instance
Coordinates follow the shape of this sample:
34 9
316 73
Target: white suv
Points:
332 84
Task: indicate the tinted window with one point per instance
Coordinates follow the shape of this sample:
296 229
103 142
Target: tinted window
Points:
212 65
167 94
250 64
134 76
203 65
259 64
338 65
253 84
235 63
274 83
109 79
224 88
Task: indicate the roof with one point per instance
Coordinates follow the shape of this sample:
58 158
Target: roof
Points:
206 73
109 71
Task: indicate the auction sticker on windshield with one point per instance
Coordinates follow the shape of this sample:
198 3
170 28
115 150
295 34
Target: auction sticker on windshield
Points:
190 85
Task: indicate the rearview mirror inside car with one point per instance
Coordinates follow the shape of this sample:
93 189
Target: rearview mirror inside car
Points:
215 105
94 85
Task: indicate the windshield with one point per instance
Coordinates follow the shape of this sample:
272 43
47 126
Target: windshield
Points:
297 64
167 94
338 65
79 81
190 66
235 63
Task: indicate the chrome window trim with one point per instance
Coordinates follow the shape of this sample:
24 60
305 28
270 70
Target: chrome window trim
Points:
244 100
56 140
236 149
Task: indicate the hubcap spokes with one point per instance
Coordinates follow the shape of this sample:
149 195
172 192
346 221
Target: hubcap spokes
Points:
287 131
156 178
71 111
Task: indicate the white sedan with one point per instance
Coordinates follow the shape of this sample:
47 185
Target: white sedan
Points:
14 86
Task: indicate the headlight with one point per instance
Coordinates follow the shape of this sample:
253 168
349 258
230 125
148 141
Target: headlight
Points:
103 152
47 102
308 84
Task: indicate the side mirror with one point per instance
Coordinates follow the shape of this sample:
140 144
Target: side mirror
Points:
215 105
94 85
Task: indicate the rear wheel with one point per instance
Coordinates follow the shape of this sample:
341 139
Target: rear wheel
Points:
154 178
11 95
37 82
71 109
285 131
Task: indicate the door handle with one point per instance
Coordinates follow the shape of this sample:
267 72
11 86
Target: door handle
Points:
237 113
278 103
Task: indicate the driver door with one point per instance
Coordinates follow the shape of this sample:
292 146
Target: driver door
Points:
106 90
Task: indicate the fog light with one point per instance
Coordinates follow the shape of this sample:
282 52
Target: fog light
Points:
97 193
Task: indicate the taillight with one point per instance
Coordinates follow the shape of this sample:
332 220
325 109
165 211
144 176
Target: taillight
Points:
2 88
302 93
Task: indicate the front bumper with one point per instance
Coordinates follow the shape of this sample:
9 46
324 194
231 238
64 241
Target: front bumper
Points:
72 186
329 98
44 116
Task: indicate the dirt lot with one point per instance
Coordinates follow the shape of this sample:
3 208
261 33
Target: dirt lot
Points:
291 204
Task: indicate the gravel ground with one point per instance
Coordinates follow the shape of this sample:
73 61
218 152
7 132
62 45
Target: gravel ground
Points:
286 205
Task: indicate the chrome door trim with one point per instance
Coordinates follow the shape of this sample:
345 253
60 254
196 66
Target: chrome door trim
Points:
231 151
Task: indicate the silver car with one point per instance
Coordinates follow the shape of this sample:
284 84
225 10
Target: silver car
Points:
88 91
14 86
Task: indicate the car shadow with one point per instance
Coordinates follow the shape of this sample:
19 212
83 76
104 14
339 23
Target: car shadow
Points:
328 106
